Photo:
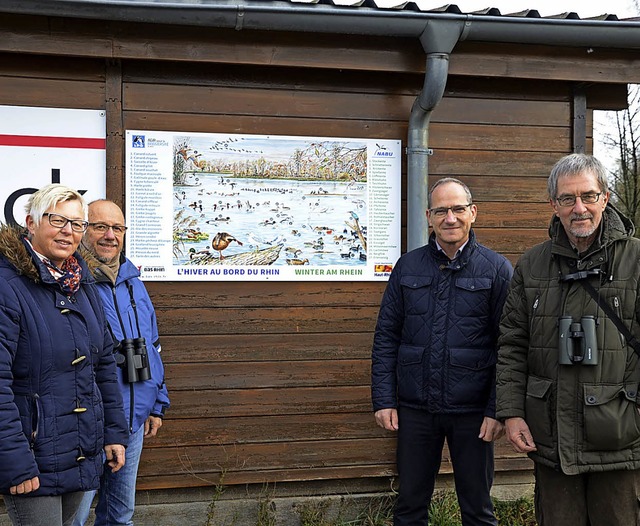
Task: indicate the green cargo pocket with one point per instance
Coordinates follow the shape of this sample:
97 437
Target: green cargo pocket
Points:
538 410
610 417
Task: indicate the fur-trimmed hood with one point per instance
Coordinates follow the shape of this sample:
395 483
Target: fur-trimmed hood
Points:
12 247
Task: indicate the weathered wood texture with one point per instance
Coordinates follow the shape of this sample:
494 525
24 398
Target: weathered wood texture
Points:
270 381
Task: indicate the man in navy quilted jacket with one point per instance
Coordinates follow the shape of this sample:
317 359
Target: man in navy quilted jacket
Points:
434 360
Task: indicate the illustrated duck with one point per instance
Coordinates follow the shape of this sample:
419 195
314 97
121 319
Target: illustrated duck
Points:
221 241
193 253
293 251
297 261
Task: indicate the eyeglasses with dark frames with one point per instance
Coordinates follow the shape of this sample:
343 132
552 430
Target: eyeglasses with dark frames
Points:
60 221
458 210
103 227
588 198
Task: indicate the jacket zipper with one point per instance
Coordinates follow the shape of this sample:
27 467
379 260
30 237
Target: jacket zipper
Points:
36 427
534 308
616 304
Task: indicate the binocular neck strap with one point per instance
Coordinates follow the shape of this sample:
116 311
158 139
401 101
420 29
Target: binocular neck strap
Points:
611 314
117 309
134 306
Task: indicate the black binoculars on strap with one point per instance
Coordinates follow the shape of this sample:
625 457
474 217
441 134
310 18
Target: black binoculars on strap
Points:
131 355
577 343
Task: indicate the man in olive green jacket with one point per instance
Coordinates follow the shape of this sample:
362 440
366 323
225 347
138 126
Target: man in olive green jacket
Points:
567 378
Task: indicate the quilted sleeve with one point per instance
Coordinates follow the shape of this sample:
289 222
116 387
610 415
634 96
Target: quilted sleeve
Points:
17 462
513 346
385 345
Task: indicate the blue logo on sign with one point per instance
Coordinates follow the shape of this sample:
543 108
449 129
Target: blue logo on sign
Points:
137 141
381 151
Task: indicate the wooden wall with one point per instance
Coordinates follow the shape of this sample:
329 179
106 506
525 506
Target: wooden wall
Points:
270 381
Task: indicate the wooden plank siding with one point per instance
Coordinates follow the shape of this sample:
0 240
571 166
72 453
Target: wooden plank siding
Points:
277 387
269 381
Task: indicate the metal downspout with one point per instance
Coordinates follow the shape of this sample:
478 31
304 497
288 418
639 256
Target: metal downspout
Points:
418 151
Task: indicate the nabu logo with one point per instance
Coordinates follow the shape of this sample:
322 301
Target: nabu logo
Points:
381 151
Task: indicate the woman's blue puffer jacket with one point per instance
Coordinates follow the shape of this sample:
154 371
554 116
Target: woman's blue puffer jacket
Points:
57 409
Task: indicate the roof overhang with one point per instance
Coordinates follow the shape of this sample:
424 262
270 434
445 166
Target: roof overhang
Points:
329 18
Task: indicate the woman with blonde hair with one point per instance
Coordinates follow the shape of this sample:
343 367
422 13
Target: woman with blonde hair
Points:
61 410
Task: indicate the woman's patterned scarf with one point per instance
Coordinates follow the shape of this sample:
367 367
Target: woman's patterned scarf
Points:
68 275
70 280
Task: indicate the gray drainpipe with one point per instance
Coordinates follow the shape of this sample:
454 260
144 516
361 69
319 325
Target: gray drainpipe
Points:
418 150
438 41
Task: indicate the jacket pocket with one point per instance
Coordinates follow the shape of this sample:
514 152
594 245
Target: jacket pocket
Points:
471 375
611 417
416 291
538 405
473 296
30 415
409 373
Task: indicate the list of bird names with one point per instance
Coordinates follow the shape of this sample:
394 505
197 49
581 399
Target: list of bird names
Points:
145 196
384 239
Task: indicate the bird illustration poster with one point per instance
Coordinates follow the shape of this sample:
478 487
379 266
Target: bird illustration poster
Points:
213 206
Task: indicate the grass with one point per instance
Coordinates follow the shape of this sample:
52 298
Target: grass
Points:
444 511
519 512
378 511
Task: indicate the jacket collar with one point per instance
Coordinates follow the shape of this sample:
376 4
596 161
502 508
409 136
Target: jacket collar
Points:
462 259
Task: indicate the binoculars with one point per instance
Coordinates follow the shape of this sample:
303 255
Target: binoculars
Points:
577 343
131 355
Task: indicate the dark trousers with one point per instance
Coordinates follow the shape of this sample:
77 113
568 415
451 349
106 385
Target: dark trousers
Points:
605 498
421 437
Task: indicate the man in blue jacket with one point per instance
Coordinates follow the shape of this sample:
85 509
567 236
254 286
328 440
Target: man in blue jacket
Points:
434 359
132 319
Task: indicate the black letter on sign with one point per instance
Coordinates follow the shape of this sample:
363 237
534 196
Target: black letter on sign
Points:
8 206
11 201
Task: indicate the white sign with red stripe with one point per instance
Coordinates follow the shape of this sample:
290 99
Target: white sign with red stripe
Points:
39 146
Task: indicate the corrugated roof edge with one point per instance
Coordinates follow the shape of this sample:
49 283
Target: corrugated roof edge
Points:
360 17
450 8
377 5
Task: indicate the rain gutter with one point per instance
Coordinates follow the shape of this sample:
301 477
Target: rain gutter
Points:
321 18
438 33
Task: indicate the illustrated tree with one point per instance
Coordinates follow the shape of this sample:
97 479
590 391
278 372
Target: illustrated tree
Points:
181 148
335 160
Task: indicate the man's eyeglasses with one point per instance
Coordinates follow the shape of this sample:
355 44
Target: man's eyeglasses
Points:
588 199
58 221
103 227
458 210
